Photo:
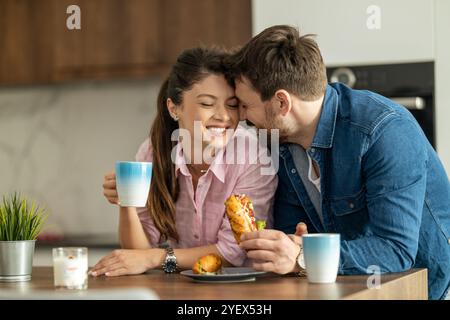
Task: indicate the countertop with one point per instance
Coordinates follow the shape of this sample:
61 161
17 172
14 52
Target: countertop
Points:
411 284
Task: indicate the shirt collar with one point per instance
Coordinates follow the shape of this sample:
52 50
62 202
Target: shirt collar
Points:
180 161
324 135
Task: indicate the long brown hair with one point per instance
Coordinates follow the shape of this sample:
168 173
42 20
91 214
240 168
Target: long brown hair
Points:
191 66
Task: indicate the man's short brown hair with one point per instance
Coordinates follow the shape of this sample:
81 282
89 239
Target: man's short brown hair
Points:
279 58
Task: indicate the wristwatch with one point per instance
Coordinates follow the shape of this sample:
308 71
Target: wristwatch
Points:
170 263
301 261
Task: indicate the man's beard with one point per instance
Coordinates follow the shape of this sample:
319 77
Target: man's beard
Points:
274 122
268 127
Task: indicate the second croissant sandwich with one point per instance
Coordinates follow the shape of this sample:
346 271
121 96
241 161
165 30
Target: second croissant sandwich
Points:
209 264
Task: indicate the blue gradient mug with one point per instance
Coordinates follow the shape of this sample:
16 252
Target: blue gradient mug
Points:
133 182
321 252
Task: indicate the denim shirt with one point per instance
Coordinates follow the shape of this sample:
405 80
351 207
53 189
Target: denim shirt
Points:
383 188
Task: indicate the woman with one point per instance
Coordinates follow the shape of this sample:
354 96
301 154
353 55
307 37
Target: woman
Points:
185 208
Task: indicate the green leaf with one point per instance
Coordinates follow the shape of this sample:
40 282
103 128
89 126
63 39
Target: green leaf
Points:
19 220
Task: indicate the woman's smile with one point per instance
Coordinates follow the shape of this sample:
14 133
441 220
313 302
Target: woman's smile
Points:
217 131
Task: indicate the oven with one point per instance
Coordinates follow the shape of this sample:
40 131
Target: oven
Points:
409 84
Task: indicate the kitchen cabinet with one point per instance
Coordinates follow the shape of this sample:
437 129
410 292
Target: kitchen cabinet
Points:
190 23
357 32
25 41
117 39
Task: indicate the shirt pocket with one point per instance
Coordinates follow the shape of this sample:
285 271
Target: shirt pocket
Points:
350 216
341 206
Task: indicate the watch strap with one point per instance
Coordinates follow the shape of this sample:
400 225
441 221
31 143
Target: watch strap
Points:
169 252
170 258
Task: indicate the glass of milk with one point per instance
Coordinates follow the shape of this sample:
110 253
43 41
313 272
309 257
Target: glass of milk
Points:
70 266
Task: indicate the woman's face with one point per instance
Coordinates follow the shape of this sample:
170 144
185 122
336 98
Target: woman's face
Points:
212 107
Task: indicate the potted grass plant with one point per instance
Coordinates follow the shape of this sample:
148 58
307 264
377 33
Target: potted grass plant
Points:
20 225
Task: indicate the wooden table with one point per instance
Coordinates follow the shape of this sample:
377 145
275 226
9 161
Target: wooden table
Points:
407 285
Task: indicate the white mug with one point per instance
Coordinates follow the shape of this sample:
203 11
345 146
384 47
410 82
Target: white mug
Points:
133 182
321 252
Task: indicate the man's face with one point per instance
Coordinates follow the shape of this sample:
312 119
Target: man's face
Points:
251 107
263 115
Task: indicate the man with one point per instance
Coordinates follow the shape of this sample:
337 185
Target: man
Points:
351 162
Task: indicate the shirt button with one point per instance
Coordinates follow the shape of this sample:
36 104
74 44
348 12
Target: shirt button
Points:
351 205
293 171
313 150
448 240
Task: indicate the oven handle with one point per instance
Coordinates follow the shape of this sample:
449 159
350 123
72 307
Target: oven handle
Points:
411 103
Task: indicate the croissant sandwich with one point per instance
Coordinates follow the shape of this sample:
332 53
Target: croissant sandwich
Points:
209 264
239 209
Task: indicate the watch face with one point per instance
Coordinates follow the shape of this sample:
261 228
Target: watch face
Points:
170 266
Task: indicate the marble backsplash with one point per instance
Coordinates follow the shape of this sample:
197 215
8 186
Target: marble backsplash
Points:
56 143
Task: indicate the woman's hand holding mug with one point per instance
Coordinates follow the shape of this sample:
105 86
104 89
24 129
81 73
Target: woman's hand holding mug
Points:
110 188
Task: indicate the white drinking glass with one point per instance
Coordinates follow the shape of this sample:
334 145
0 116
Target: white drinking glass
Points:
70 266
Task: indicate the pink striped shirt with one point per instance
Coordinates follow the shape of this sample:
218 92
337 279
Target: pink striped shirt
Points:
201 220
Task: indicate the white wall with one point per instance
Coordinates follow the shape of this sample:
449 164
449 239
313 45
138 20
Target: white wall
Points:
442 73
405 33
56 142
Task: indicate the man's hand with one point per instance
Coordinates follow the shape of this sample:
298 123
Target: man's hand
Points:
272 250
300 230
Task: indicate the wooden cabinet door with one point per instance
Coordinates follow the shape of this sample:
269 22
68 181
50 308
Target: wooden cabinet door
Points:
190 23
25 41
118 38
